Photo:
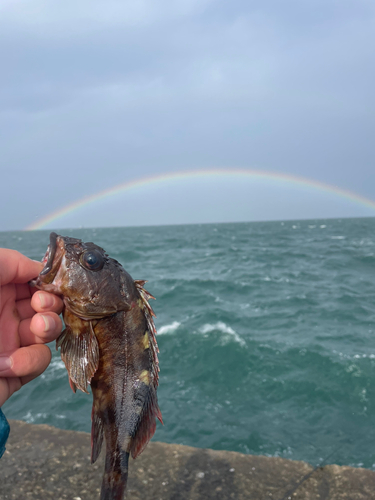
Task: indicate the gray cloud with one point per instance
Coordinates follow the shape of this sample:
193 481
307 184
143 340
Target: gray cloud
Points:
95 93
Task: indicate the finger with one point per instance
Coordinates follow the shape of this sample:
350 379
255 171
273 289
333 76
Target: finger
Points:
9 319
23 291
25 362
7 387
16 267
40 329
44 301
24 309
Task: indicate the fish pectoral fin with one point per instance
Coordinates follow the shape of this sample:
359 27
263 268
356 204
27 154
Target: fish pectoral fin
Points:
96 436
147 426
80 353
72 385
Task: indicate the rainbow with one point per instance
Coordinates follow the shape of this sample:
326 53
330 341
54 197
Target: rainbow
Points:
236 172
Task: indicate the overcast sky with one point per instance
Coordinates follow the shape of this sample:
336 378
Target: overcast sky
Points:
97 93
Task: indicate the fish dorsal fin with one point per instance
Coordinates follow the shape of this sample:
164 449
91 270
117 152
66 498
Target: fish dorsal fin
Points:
80 353
151 411
149 315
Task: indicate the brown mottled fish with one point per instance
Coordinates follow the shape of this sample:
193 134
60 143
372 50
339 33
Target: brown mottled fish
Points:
109 342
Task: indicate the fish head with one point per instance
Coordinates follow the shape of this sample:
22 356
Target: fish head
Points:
82 273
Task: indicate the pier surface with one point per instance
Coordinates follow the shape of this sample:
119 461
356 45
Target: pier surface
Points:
45 463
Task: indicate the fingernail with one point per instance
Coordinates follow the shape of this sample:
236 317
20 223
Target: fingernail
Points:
49 323
5 363
46 301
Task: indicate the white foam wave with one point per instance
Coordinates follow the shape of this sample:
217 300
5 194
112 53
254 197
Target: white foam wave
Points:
354 356
337 237
223 328
56 365
169 328
30 418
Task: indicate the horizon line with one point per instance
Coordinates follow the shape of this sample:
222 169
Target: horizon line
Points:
309 219
165 177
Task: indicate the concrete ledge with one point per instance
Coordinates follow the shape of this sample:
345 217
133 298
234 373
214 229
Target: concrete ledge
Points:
45 463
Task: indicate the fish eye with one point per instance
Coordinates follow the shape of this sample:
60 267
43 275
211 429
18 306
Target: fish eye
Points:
92 260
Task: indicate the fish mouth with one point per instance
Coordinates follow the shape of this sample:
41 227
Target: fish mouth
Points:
51 261
51 254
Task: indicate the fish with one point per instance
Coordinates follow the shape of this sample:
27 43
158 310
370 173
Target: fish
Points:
109 344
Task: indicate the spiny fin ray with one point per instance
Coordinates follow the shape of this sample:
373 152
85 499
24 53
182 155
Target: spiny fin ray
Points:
149 314
147 425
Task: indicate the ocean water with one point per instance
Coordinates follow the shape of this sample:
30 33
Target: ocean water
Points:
266 336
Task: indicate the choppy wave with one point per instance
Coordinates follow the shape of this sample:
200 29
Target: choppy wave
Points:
221 327
172 327
32 418
266 336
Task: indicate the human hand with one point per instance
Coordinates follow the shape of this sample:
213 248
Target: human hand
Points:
28 320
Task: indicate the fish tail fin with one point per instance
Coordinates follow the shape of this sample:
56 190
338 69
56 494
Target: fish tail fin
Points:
115 476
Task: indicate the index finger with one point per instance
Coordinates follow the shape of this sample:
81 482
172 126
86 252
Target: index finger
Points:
16 267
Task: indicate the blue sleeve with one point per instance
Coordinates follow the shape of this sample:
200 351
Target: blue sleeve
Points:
4 432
